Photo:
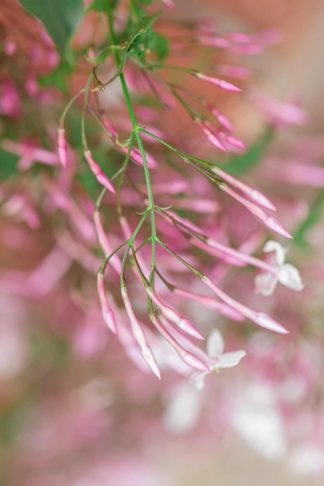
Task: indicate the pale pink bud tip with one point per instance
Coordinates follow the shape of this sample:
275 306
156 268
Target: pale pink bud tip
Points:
194 362
274 224
262 200
221 83
98 172
62 147
268 323
107 313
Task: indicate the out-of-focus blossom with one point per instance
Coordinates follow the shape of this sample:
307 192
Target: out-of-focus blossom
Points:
284 273
219 359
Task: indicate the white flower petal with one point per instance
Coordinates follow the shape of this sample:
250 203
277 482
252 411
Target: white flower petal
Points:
289 276
228 360
279 250
265 283
198 379
215 344
182 409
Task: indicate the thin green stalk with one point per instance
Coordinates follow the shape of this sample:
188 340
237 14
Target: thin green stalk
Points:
136 131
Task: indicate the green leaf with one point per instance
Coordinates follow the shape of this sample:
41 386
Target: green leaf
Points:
8 164
313 217
158 44
240 164
59 17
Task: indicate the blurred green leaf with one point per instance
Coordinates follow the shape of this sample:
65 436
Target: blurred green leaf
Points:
240 164
313 217
8 164
60 18
158 44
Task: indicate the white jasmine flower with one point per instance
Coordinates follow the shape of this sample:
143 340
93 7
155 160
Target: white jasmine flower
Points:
285 273
219 359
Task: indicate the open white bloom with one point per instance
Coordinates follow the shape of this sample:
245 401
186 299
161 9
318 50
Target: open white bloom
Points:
219 359
285 273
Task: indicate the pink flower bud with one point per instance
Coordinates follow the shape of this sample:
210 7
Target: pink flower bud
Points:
220 83
256 196
210 132
107 312
62 147
183 323
139 335
269 221
98 172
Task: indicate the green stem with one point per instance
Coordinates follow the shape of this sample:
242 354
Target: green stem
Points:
136 132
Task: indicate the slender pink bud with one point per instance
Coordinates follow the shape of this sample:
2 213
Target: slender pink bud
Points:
256 196
138 333
104 242
62 146
109 126
138 159
221 118
231 143
220 83
259 318
210 132
98 172
168 3
269 221
173 316
186 356
107 312
212 303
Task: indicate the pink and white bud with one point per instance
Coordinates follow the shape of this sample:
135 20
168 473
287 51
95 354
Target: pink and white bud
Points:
169 3
107 312
105 243
62 147
98 172
187 357
259 318
220 83
138 159
253 194
231 143
210 132
184 324
109 126
269 221
139 335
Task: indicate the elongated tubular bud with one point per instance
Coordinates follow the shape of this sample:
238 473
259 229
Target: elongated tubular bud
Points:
188 358
98 172
138 159
210 133
62 146
212 303
259 318
269 221
183 324
107 312
228 254
104 242
139 335
220 83
221 118
256 196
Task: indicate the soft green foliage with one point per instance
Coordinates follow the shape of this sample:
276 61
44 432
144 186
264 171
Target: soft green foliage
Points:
240 164
314 216
8 164
59 17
